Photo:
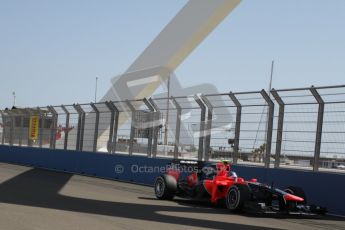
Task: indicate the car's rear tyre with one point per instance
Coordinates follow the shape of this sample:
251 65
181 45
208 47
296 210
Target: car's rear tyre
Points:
237 195
297 191
165 187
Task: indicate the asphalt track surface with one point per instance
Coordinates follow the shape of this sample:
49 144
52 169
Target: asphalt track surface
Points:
39 199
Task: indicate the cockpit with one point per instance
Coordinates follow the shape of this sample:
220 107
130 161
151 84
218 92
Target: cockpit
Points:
212 170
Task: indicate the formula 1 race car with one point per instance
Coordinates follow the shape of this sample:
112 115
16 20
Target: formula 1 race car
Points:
215 182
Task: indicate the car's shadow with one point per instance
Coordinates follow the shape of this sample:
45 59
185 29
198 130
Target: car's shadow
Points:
222 209
40 188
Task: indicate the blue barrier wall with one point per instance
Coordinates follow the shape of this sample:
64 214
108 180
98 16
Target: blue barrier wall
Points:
110 166
325 189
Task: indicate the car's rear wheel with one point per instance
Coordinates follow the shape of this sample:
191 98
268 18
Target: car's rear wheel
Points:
236 197
165 187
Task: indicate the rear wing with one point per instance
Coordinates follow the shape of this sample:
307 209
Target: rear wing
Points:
187 164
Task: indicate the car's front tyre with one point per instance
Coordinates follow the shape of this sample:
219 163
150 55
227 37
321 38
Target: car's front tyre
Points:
236 197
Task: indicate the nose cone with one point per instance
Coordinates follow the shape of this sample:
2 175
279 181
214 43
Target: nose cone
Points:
290 197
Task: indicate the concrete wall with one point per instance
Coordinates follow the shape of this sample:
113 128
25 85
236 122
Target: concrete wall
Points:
325 189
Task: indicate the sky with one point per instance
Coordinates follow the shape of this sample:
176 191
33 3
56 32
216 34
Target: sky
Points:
52 51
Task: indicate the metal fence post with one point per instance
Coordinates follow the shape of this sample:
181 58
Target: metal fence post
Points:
131 136
318 137
202 127
29 141
21 129
42 123
53 127
65 145
95 134
3 128
237 126
178 127
116 126
110 144
269 127
279 127
82 129
114 121
78 128
11 131
156 128
208 126
81 122
149 141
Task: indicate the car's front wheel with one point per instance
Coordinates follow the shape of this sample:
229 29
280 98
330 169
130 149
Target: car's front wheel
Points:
236 197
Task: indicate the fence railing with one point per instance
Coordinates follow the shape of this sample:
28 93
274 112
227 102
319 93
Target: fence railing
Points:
296 128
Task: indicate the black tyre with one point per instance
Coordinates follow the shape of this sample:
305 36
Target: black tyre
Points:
237 195
165 187
298 192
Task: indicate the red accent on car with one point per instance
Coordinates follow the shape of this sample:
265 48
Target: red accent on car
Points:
174 172
219 186
290 197
240 180
192 179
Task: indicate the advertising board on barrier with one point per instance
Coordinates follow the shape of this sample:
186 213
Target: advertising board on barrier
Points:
33 128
